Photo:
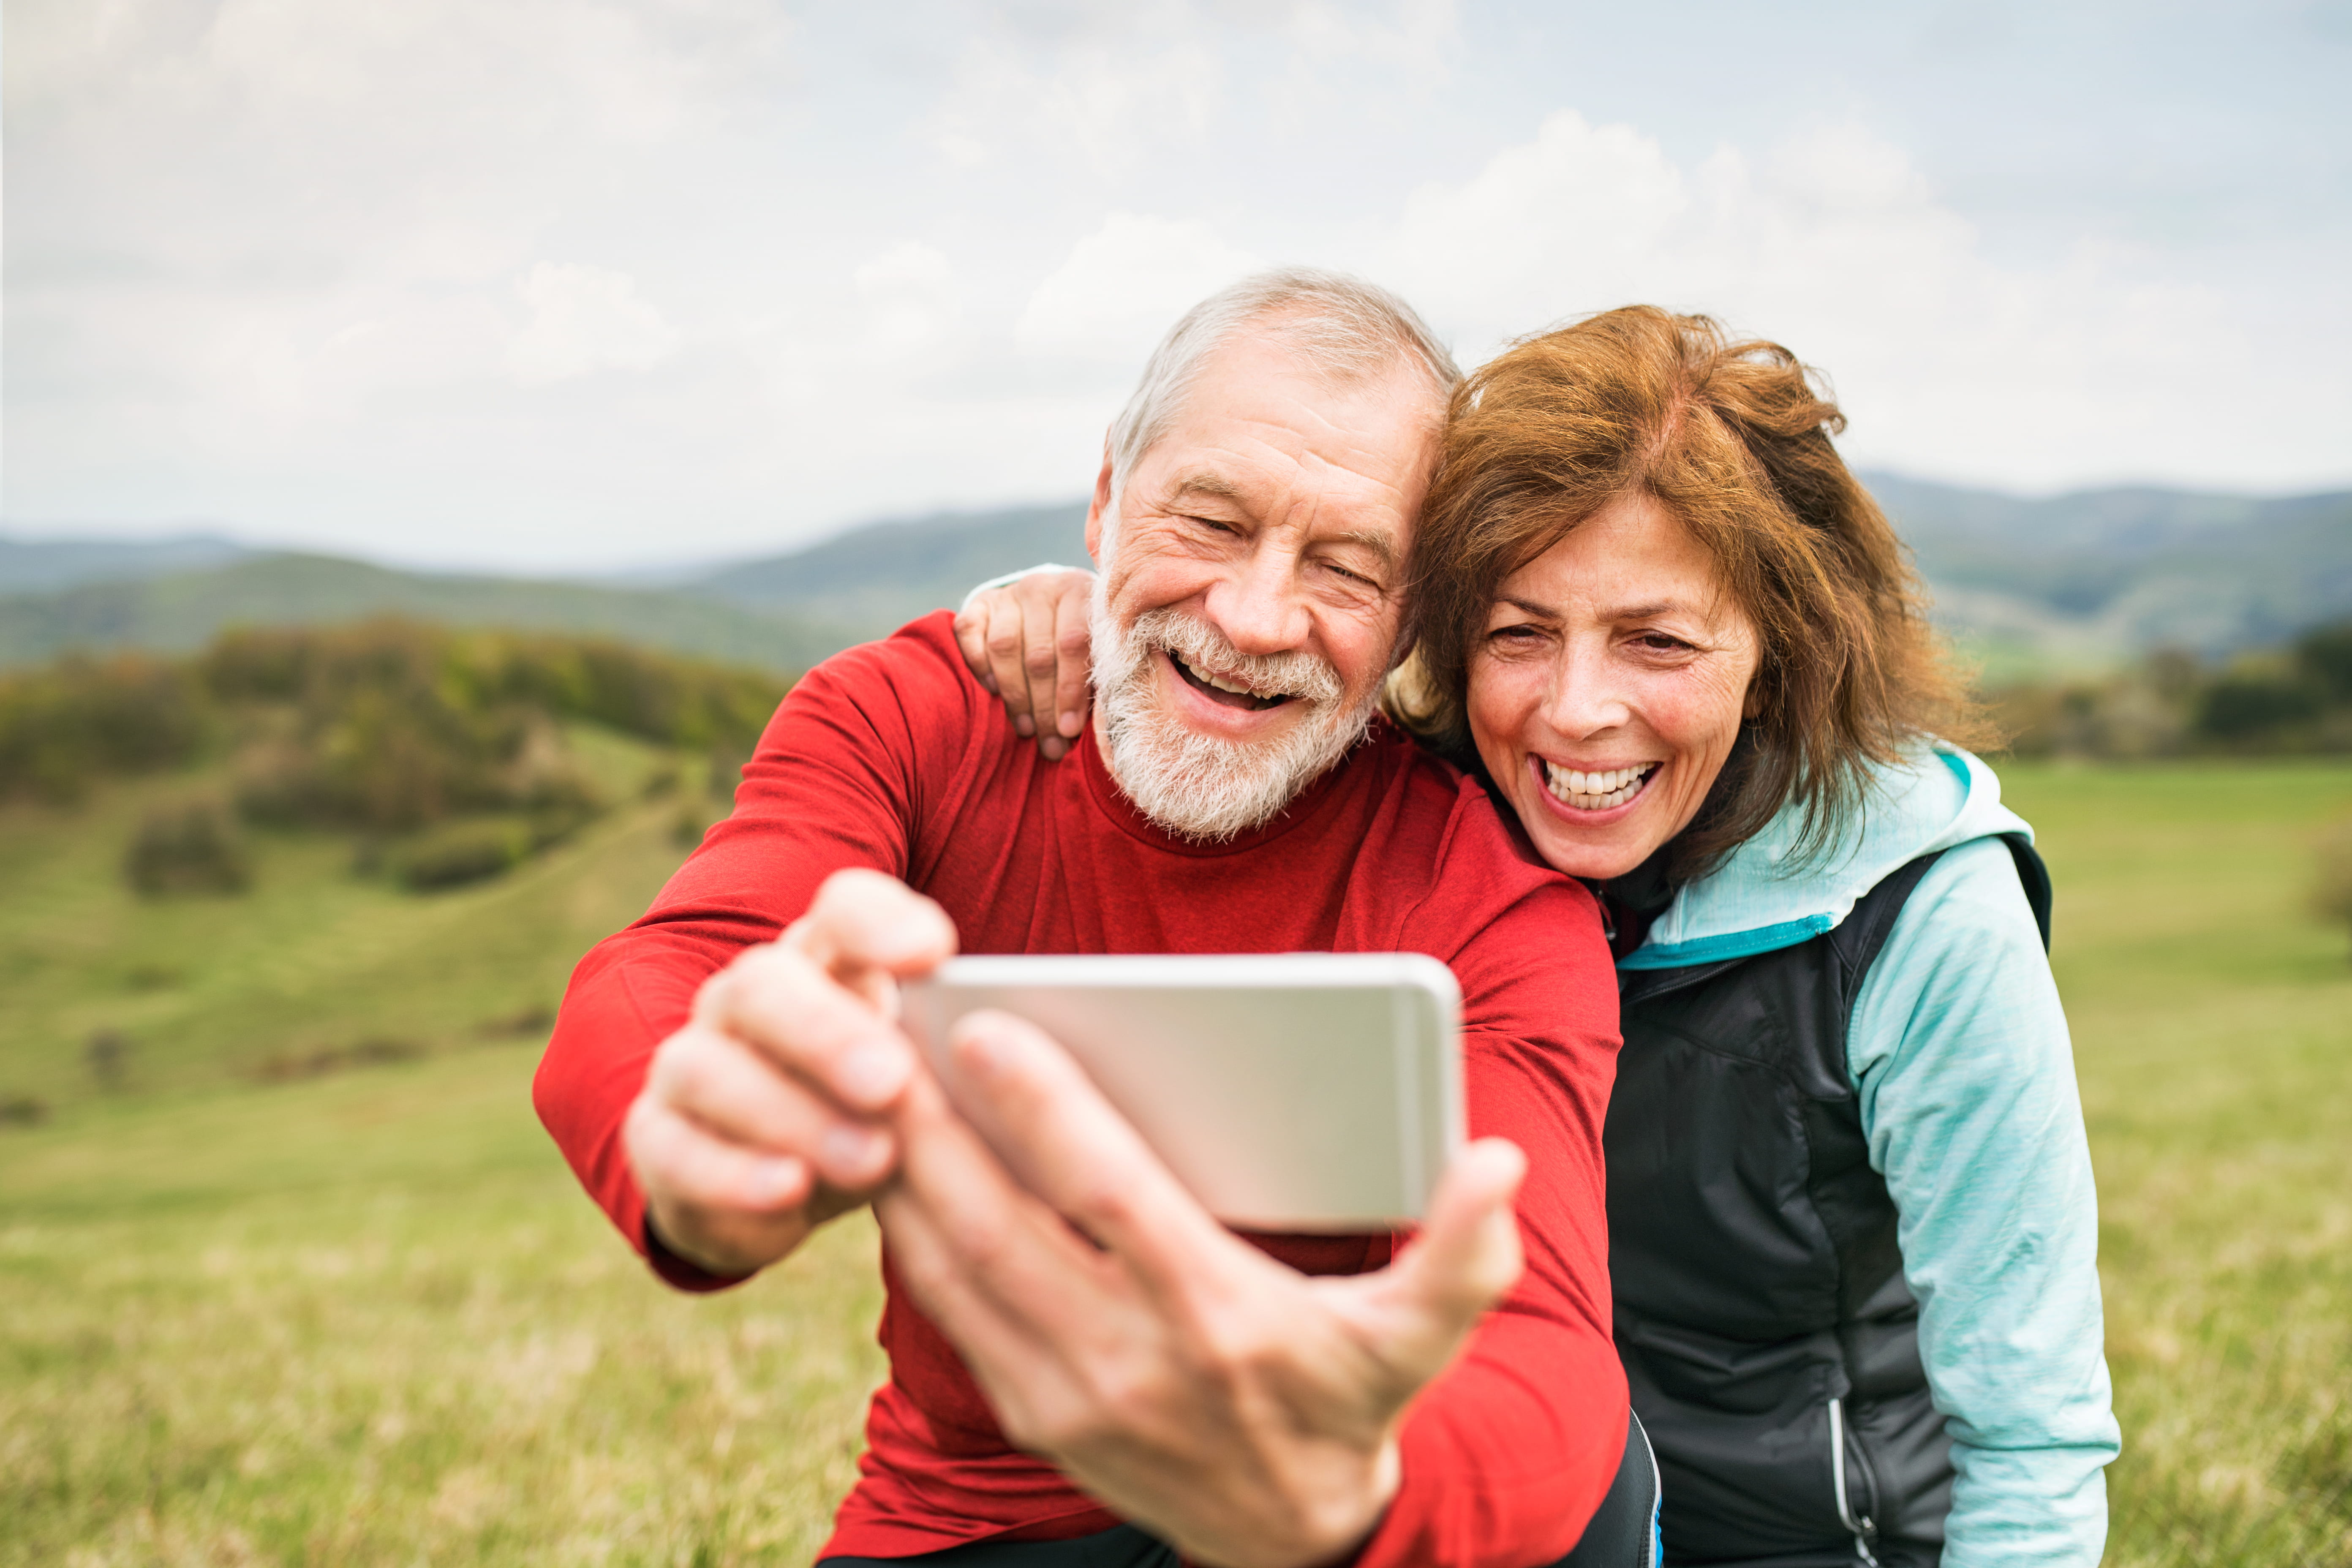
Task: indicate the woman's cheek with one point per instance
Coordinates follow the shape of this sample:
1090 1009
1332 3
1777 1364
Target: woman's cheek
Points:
1505 697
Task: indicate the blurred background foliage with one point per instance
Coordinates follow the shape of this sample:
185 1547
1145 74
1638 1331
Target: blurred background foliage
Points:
2278 701
446 753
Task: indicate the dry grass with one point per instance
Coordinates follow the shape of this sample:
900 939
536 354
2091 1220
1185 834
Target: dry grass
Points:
2212 1021
372 1322
368 1318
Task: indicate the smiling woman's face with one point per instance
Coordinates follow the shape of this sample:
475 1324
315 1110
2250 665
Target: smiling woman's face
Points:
1609 687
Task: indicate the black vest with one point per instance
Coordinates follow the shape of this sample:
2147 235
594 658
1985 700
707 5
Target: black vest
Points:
1771 1344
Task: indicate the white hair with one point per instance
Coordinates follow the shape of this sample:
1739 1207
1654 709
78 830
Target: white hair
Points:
1348 330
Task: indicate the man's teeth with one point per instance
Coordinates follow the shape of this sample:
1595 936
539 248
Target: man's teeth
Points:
1221 683
1595 791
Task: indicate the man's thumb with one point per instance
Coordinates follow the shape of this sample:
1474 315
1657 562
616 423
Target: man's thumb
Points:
1467 1254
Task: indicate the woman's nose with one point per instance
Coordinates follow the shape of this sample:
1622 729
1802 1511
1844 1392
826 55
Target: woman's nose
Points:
1585 698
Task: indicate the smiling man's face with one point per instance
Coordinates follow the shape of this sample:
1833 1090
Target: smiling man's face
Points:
1254 590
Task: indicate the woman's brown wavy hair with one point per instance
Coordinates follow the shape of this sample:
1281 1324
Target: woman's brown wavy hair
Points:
1733 438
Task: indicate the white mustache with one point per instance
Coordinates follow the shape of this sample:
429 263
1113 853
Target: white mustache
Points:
1297 673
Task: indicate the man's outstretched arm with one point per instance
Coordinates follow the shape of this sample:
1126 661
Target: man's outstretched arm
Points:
831 788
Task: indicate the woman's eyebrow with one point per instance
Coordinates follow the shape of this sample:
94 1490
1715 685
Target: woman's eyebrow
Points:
1542 611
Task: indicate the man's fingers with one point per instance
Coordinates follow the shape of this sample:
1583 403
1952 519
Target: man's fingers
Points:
681 1162
1466 1255
776 998
866 930
862 918
959 1223
728 1088
1043 1118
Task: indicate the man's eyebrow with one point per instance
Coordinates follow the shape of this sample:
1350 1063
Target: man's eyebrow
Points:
1374 540
1207 482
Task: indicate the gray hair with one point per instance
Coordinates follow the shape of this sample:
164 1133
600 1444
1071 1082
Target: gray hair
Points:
1342 327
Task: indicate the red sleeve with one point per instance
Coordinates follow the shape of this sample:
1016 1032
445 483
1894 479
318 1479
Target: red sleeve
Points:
842 772
1510 1452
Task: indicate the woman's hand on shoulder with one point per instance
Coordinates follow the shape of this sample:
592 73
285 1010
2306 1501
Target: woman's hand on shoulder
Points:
1027 641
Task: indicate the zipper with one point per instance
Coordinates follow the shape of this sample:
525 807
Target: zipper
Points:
1860 1526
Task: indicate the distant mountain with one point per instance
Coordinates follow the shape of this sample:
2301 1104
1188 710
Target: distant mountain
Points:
880 576
2093 575
44 566
183 610
2031 585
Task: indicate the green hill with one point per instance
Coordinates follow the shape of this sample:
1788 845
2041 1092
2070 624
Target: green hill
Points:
879 577
316 965
182 611
2094 576
2085 580
46 566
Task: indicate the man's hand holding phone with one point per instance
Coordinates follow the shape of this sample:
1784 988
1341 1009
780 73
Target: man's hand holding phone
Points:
770 1112
1245 1413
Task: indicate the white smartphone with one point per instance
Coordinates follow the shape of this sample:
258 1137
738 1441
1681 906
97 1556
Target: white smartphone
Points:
1304 1091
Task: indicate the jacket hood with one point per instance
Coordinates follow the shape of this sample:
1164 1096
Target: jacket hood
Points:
1762 898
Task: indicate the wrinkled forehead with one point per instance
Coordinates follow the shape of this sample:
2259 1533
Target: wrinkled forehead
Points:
1263 414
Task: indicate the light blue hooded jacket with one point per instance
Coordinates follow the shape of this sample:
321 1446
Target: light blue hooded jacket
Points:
1957 1049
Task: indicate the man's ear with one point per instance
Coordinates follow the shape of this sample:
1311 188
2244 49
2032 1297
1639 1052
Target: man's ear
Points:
1099 505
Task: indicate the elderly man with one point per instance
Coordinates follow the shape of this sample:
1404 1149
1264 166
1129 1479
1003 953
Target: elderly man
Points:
1085 1367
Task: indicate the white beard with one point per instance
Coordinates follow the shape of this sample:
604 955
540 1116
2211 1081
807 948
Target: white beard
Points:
1205 787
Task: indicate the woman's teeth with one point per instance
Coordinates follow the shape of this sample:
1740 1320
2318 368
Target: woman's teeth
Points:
1597 791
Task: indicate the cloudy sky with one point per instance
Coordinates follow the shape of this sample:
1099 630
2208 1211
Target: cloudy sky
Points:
569 284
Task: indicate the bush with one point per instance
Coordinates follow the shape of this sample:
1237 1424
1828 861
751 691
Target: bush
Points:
385 727
2331 893
63 726
2325 657
106 1053
187 847
451 856
2246 703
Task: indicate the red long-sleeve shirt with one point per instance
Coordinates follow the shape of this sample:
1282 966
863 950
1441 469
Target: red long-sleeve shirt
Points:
892 756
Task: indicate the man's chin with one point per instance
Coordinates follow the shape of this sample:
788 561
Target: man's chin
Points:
1206 771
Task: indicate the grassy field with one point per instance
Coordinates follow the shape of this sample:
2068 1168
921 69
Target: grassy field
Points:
366 1317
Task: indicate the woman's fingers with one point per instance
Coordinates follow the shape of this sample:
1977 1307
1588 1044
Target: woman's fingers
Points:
1073 663
1027 642
971 636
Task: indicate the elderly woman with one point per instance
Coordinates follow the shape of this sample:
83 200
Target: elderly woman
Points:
1852 1227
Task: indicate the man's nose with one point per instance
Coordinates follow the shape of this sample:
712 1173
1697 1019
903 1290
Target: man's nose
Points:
1259 606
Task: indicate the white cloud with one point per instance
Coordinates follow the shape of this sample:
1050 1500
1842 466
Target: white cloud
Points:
912 296
1123 286
615 277
585 319
1833 244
